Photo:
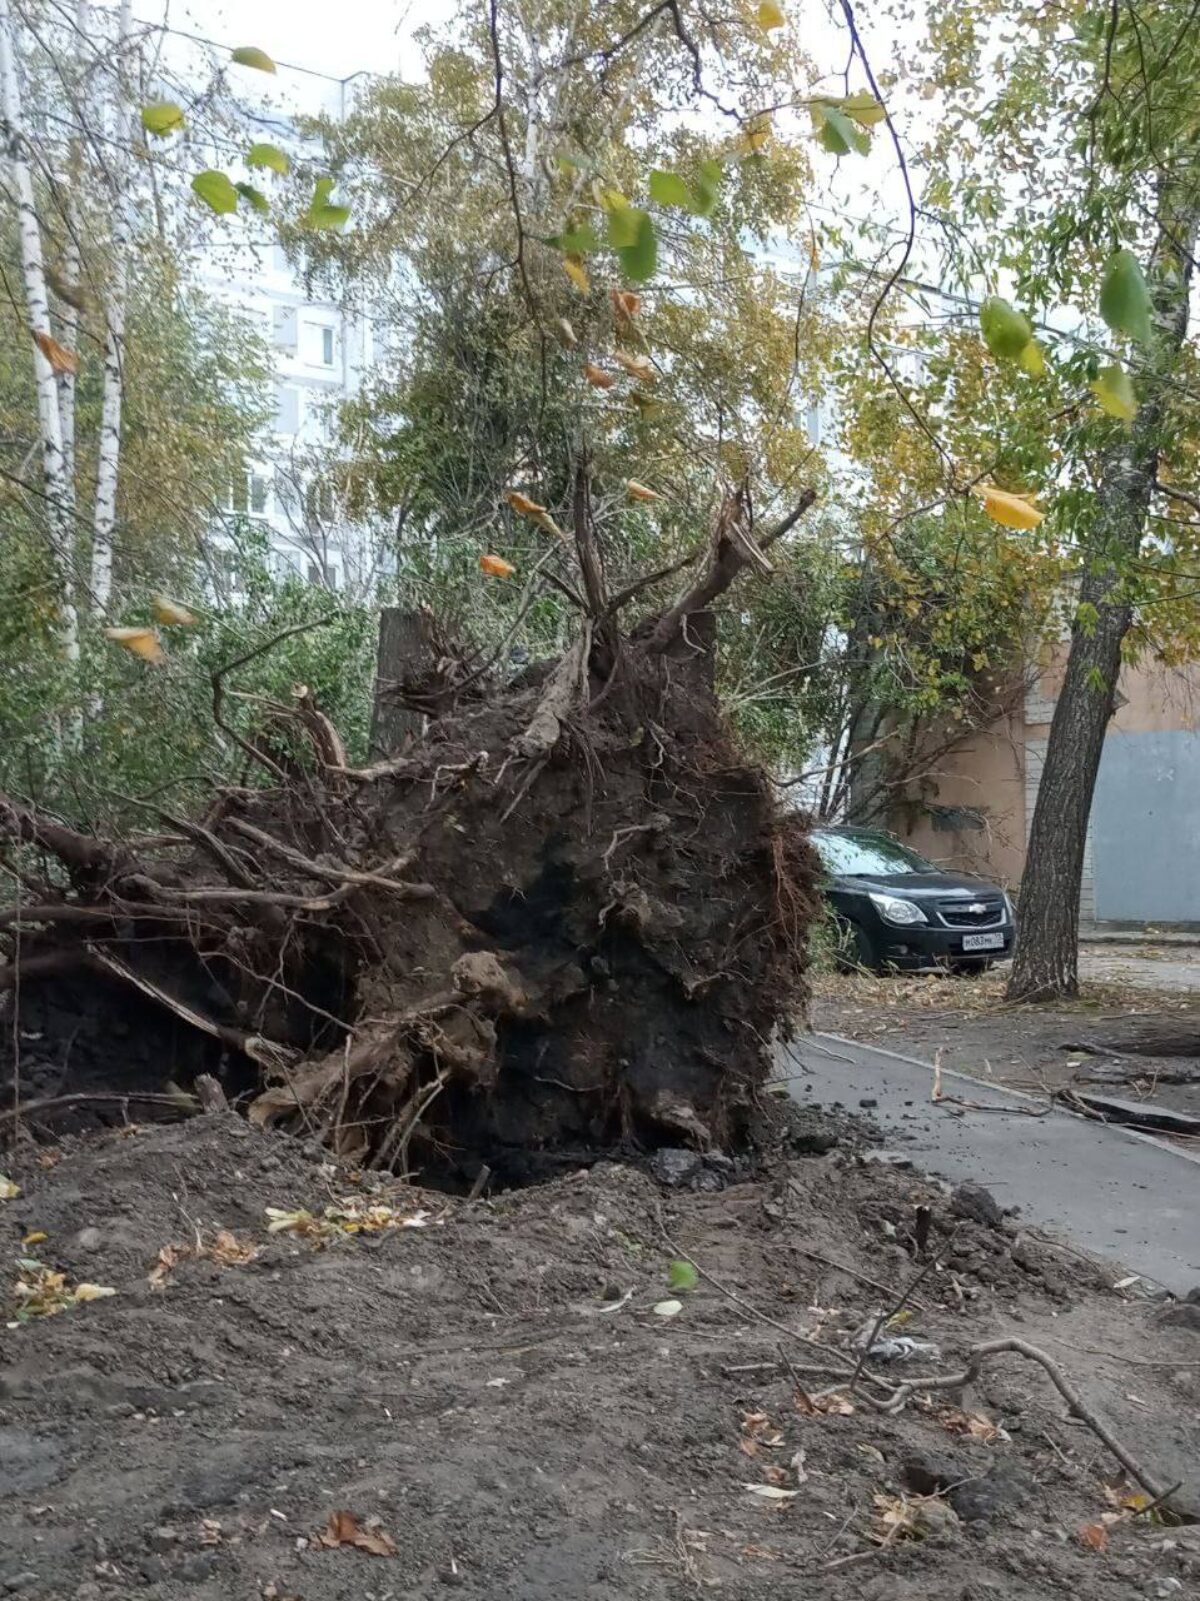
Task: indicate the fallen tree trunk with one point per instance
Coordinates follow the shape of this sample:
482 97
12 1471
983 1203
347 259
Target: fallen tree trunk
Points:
570 917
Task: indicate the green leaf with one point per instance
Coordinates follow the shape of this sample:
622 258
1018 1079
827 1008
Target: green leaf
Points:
248 56
216 191
1006 332
162 118
623 225
323 212
576 241
1032 359
327 216
269 156
255 196
708 184
682 1275
836 132
1113 388
669 189
640 258
863 108
1096 681
1124 298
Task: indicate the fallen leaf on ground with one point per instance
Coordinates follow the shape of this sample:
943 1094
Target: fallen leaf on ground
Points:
227 1250
1094 1536
902 1517
823 1405
775 1475
92 1292
35 1238
641 491
973 1424
344 1528
668 1308
597 377
759 1426
681 1275
771 1492
8 1190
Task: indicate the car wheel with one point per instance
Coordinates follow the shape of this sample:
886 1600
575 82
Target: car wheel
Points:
971 969
856 949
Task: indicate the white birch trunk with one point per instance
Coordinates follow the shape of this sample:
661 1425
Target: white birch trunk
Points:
37 315
69 317
109 447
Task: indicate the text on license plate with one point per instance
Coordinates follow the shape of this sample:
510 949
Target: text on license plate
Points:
983 942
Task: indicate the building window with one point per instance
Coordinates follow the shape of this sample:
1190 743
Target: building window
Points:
327 347
287 409
248 493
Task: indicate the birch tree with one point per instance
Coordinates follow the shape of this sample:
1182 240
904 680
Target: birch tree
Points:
108 465
50 359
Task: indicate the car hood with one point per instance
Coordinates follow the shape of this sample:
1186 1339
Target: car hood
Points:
919 886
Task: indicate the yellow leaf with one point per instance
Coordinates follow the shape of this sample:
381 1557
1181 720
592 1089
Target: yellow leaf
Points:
626 304
641 492
638 367
1011 511
576 271
35 1238
171 612
496 567
1114 390
523 504
755 134
8 1190
92 1292
566 334
770 16
597 377
143 642
62 361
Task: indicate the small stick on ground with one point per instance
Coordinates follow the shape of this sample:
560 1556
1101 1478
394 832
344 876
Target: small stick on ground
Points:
979 1354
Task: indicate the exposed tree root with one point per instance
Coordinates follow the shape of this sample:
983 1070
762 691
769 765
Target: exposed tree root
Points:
568 917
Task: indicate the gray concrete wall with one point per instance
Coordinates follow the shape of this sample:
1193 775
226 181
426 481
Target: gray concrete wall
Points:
1146 828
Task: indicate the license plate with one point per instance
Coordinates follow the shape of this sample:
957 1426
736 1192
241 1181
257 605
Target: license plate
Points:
983 942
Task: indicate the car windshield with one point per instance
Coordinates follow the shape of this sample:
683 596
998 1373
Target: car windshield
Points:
867 855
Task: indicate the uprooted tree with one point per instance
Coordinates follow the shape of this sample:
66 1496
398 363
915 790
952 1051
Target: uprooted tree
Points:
569 915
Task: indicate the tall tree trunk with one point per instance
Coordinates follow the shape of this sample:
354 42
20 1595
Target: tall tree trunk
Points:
37 316
1046 963
109 459
72 257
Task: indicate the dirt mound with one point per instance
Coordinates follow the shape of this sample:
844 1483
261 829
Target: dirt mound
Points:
492 1394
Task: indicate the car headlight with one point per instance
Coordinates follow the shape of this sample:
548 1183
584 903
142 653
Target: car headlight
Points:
893 910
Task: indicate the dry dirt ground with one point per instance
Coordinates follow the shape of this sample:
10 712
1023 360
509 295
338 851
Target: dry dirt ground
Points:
1134 1031
490 1404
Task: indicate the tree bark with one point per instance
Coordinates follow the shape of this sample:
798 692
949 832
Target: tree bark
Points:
37 316
108 468
1046 963
403 649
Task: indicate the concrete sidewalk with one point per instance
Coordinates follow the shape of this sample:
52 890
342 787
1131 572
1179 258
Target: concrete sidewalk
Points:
1108 1191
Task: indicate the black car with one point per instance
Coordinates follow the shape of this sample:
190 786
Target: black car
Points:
893 909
